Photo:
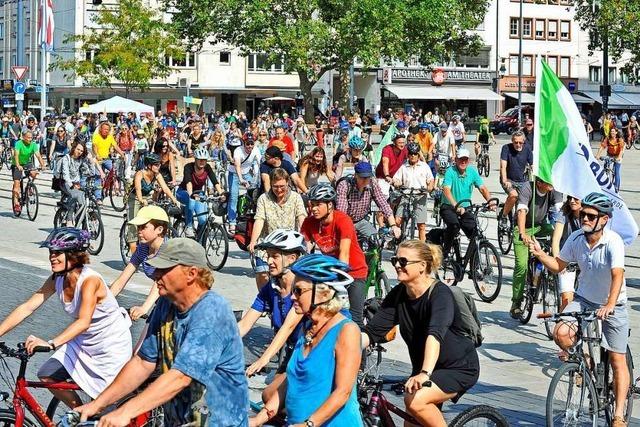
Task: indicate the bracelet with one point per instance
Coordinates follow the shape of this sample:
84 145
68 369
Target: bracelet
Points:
427 373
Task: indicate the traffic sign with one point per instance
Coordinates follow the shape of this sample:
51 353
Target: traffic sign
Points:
19 87
19 71
19 96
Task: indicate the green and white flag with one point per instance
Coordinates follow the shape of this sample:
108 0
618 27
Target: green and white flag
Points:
562 154
376 154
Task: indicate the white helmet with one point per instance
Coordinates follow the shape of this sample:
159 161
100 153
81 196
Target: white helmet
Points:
201 154
285 241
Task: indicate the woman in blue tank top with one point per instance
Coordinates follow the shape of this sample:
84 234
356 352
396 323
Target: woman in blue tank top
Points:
321 376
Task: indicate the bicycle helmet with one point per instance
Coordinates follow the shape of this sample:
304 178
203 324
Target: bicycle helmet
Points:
67 239
322 193
413 148
423 126
201 154
599 202
319 268
285 241
151 159
356 143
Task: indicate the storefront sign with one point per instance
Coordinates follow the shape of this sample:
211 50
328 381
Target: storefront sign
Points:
441 75
510 84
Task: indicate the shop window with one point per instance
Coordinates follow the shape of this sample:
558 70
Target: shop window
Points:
565 66
595 73
565 30
527 65
541 29
527 28
552 30
552 61
514 28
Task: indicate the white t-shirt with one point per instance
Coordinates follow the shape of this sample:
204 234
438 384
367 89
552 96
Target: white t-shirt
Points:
248 161
444 143
415 177
457 131
595 264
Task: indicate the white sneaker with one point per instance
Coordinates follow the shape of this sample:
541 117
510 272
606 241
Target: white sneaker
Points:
188 231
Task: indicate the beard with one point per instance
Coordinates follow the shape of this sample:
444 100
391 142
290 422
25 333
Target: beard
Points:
587 228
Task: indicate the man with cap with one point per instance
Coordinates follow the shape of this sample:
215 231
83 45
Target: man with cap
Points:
445 144
401 127
457 130
528 133
274 158
355 194
459 182
393 156
194 339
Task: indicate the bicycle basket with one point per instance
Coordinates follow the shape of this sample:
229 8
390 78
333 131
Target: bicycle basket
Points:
219 207
436 236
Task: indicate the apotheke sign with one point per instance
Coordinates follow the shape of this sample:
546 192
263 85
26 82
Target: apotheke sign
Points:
421 74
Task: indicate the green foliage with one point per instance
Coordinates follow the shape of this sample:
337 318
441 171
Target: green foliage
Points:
129 45
618 20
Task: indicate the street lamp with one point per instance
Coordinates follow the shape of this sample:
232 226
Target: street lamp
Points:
521 25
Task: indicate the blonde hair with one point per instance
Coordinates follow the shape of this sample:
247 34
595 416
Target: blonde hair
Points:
332 306
429 253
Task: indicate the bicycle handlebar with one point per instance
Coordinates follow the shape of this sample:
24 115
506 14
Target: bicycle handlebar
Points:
21 351
588 315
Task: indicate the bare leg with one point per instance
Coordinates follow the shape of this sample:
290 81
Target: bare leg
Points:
422 232
422 405
621 380
68 397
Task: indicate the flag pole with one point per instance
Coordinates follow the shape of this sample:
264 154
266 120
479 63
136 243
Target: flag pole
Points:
44 28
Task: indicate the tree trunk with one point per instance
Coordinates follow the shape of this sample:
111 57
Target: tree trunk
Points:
305 89
345 82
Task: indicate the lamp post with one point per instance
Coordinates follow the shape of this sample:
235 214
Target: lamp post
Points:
521 25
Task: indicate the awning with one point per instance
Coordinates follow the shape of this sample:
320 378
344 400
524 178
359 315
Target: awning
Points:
615 100
527 98
443 92
579 99
633 98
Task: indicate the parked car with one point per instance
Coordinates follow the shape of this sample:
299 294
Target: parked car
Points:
507 122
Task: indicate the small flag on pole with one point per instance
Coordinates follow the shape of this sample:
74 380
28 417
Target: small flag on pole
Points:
45 35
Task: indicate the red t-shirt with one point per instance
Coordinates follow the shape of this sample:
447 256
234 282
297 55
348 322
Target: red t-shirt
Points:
288 144
327 238
396 159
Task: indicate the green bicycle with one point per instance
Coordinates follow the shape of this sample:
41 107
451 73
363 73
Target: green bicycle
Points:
377 277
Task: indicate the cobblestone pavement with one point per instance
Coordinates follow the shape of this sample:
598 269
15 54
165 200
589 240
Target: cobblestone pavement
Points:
517 362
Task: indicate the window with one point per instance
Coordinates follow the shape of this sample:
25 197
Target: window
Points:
541 29
13 59
623 77
514 28
225 58
612 74
257 62
552 61
565 30
513 65
527 28
1 29
1 66
552 30
527 65
189 61
481 60
594 73
90 55
565 66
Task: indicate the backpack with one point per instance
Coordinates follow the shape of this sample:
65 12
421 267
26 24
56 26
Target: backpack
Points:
468 324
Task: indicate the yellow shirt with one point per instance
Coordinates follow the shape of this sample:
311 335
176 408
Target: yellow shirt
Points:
103 145
425 142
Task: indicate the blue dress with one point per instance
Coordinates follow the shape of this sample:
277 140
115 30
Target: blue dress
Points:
311 380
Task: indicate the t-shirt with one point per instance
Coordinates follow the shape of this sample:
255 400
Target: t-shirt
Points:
415 176
288 144
425 141
103 145
203 343
270 301
140 258
457 131
266 168
198 181
517 161
444 143
544 204
327 238
461 185
396 159
613 146
247 160
25 152
594 281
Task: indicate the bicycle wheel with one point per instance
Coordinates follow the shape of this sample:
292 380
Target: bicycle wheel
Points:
527 307
447 272
216 245
31 200
636 143
383 286
178 227
8 419
96 230
486 272
550 299
572 399
481 415
480 165
59 217
487 165
609 409
505 238
125 253
118 193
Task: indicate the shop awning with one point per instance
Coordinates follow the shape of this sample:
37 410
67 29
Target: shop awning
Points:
579 99
615 100
633 98
527 98
443 92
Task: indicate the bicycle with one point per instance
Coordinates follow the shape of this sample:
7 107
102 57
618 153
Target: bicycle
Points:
443 164
87 217
411 196
28 195
541 286
376 409
608 167
505 231
376 277
5 153
482 257
483 160
587 376
116 186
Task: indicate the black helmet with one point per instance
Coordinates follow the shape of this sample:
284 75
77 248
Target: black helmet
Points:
151 159
67 239
413 148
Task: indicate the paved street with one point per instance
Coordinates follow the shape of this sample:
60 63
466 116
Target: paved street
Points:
517 361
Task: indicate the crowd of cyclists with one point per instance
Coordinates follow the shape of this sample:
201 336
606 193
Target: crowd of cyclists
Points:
317 200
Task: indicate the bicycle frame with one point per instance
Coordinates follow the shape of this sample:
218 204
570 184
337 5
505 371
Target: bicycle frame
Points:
22 397
381 407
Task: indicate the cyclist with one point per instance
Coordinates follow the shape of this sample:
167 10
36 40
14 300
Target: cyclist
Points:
415 175
290 147
457 130
102 144
351 156
483 135
314 167
320 389
167 161
536 215
23 152
445 145
599 252
75 167
393 156
193 338
614 145
95 346
273 159
334 234
301 132
283 248
566 223
60 145
458 184
196 139
426 143
354 197
444 362
515 160
632 129
243 171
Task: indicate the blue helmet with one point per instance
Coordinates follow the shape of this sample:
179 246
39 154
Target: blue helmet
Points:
599 202
401 124
356 143
423 125
318 268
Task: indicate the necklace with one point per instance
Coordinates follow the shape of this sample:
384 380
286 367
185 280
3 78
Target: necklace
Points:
309 336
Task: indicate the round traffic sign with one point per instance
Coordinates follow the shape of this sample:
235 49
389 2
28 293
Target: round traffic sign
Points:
19 87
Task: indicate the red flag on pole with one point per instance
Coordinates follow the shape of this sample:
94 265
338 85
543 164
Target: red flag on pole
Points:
46 36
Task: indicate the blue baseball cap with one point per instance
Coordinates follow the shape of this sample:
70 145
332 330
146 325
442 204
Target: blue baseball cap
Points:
424 126
401 124
363 169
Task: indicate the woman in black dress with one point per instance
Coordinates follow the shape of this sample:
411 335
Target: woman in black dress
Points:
444 362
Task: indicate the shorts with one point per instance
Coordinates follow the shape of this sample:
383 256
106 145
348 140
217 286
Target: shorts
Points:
52 368
17 174
515 184
615 329
261 265
420 213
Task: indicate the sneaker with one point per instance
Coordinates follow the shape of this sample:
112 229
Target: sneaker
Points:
188 231
516 310
17 209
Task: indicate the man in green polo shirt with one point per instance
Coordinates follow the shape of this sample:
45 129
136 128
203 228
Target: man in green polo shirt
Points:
23 153
458 184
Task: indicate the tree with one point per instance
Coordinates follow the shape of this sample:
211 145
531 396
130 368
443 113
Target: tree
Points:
129 45
615 21
315 36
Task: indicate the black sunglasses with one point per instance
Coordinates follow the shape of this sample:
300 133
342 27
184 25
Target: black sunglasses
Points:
589 216
249 144
402 261
297 291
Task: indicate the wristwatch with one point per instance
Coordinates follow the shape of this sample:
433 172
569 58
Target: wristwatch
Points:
51 343
309 423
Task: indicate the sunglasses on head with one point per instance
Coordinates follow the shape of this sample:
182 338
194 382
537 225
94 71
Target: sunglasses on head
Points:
402 261
297 291
589 216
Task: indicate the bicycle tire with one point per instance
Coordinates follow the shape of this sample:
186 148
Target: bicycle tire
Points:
216 245
609 409
487 165
480 166
505 239
550 299
636 144
628 143
125 253
32 201
57 217
8 419
118 202
447 273
573 372
527 307
479 412
95 227
489 254
178 227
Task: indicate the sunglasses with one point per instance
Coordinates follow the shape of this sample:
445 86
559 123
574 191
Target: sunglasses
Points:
402 261
249 144
589 216
298 291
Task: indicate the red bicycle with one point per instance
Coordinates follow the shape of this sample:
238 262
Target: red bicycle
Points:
116 186
16 416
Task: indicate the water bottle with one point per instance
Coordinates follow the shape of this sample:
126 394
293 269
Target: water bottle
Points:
537 270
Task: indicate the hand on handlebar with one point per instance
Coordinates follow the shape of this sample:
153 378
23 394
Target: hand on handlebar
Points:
33 342
605 311
396 231
460 211
137 312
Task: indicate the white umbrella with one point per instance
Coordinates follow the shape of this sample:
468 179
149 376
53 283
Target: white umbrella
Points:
118 104
279 98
